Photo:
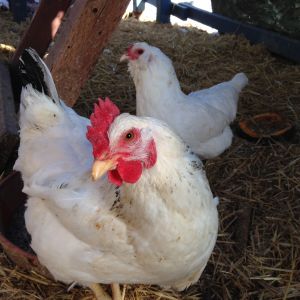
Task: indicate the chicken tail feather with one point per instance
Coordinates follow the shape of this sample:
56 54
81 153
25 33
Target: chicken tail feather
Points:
34 71
239 81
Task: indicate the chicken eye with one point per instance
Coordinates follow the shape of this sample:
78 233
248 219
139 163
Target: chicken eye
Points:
129 136
140 51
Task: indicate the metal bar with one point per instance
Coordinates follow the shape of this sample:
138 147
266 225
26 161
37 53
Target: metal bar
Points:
275 42
19 10
152 2
163 11
139 8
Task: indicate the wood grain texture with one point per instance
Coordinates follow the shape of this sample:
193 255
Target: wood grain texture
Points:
43 27
79 43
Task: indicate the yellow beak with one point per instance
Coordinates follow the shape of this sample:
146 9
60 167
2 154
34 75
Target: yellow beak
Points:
100 167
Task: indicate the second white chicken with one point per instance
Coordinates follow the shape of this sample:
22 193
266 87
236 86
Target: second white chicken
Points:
201 118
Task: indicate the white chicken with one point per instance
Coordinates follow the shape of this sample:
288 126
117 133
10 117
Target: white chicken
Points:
200 118
152 220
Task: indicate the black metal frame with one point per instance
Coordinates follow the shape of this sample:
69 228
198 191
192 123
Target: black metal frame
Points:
275 42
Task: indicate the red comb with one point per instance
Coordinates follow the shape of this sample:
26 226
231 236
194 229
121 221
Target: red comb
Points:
129 48
101 119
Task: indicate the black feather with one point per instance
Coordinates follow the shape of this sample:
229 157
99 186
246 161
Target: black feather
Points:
30 71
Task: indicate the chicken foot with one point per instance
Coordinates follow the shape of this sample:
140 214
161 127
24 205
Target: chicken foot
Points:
99 292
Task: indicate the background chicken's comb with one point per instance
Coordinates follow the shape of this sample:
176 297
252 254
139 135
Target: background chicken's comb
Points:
129 48
101 119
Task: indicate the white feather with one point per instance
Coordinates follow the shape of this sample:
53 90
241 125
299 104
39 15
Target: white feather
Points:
201 118
163 229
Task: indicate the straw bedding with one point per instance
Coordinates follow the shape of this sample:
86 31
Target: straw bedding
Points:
257 252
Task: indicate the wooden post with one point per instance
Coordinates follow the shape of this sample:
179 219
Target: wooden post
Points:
39 35
43 27
8 119
81 39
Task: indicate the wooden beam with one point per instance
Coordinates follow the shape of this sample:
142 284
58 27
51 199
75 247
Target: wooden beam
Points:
79 43
43 27
8 119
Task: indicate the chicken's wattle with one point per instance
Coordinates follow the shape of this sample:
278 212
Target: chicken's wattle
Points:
127 171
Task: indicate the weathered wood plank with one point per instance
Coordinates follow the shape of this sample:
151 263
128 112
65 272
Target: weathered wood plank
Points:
43 27
80 41
8 120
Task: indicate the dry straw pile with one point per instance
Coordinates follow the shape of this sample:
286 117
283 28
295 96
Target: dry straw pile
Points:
257 252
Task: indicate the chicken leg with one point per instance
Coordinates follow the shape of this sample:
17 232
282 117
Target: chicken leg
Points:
116 292
99 292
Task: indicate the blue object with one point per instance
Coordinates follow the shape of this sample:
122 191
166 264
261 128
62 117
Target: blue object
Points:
275 42
163 12
19 10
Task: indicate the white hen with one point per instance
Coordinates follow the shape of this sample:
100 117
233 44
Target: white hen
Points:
201 118
158 227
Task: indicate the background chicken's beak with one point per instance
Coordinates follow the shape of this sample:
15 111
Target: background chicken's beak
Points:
124 57
100 167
